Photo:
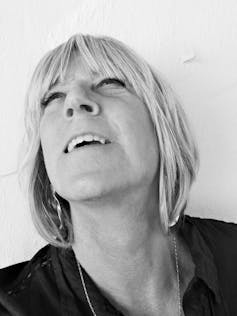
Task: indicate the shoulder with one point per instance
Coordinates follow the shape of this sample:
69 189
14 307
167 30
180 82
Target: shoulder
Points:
16 276
221 239
214 230
216 241
31 287
220 236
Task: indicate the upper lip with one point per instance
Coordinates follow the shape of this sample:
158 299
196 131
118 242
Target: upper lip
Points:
82 134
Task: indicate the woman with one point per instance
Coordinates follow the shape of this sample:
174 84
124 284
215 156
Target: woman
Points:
110 163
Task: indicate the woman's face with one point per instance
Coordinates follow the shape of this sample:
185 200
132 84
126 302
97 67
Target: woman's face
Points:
87 103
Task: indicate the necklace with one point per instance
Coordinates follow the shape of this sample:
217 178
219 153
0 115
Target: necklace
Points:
177 273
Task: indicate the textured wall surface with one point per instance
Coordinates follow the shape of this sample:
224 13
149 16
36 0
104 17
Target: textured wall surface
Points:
193 43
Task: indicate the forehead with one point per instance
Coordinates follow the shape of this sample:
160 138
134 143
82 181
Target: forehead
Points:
73 66
77 69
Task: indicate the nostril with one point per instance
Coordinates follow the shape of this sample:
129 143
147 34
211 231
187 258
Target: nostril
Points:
87 107
69 112
84 107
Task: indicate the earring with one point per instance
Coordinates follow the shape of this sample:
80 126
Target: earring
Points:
57 206
174 222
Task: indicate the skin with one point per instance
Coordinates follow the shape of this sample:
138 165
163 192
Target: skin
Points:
113 192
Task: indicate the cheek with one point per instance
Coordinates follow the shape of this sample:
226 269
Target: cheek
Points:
140 138
141 126
44 135
50 130
48 137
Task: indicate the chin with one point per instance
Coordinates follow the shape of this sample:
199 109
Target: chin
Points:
87 189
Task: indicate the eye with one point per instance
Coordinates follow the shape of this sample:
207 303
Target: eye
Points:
52 96
110 81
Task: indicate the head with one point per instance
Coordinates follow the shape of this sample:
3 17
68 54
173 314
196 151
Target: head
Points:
138 112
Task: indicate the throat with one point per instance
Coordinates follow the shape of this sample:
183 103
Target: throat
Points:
126 272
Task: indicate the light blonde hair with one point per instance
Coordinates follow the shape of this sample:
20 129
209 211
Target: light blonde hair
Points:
178 156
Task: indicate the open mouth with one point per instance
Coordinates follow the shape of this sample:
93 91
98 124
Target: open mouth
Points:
85 143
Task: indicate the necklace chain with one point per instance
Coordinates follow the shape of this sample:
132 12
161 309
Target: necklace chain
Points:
177 273
85 290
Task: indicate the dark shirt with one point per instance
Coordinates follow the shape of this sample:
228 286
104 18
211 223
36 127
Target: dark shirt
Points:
50 284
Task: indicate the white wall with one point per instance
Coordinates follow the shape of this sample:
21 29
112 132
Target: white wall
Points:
192 42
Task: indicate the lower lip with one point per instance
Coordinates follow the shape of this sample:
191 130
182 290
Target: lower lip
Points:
86 147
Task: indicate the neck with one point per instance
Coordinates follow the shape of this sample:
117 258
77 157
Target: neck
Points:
133 257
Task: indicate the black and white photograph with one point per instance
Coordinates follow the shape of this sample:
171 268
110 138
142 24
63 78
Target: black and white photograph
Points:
118 129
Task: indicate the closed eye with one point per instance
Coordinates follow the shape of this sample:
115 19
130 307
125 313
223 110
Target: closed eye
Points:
52 96
110 81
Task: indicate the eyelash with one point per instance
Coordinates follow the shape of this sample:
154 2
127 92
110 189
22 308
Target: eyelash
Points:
111 80
51 97
56 95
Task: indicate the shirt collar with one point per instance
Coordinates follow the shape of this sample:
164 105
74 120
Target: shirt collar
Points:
202 256
68 268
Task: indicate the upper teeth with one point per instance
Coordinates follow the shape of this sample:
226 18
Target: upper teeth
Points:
87 138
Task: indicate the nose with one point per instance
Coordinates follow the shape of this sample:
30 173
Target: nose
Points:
77 104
